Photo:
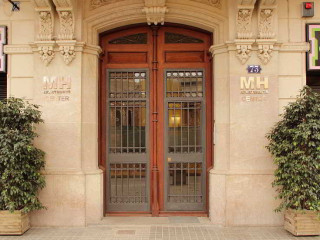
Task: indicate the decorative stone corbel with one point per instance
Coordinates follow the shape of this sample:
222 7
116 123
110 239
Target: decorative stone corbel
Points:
46 19
243 49
266 17
244 19
67 20
46 51
66 36
155 11
265 50
67 50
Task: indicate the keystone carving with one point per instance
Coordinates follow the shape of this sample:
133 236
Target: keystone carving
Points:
67 50
46 51
155 11
266 14
46 19
66 16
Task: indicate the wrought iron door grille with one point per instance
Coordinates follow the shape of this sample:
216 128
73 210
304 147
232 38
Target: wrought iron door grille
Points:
127 84
127 126
128 183
184 127
184 84
185 183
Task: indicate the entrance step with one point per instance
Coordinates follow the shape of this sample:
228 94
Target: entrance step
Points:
128 221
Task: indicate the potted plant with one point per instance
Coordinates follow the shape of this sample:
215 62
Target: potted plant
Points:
20 165
294 143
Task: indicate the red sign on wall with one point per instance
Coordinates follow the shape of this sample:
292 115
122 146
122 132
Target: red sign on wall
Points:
3 41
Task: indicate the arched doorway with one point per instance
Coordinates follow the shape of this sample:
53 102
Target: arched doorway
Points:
156 119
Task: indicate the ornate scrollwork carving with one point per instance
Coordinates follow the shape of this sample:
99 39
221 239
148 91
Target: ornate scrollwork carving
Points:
244 23
265 53
155 11
68 53
244 19
67 25
67 50
266 19
46 52
244 52
46 19
66 16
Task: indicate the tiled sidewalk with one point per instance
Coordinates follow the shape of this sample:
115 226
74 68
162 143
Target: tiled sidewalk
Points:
177 228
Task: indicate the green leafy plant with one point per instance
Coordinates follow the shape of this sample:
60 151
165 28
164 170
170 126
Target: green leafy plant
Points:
20 160
294 143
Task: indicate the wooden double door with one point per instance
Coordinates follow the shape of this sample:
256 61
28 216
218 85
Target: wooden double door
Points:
155 119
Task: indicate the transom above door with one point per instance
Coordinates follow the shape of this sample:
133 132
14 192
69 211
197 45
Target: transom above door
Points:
155 119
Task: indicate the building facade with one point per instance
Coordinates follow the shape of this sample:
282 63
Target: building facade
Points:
157 107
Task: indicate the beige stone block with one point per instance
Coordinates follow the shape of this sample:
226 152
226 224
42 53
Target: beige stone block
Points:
289 87
295 7
282 9
221 65
217 197
89 146
250 121
94 198
90 89
283 103
283 35
64 196
21 65
22 32
296 32
21 87
62 144
251 201
290 63
221 100
221 146
27 11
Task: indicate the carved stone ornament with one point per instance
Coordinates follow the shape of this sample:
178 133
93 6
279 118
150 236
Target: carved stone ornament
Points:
244 53
67 21
244 19
46 19
265 52
155 11
266 14
67 50
46 51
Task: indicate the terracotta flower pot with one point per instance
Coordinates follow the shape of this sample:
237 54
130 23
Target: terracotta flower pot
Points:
302 223
16 223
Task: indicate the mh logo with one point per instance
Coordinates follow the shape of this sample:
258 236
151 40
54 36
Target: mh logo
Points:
254 83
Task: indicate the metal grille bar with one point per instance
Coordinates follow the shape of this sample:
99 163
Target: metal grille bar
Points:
185 183
184 84
127 126
128 183
184 127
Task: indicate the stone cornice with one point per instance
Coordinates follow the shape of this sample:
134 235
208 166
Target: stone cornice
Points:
17 49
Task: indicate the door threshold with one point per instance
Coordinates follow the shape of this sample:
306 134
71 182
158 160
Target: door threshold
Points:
161 214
